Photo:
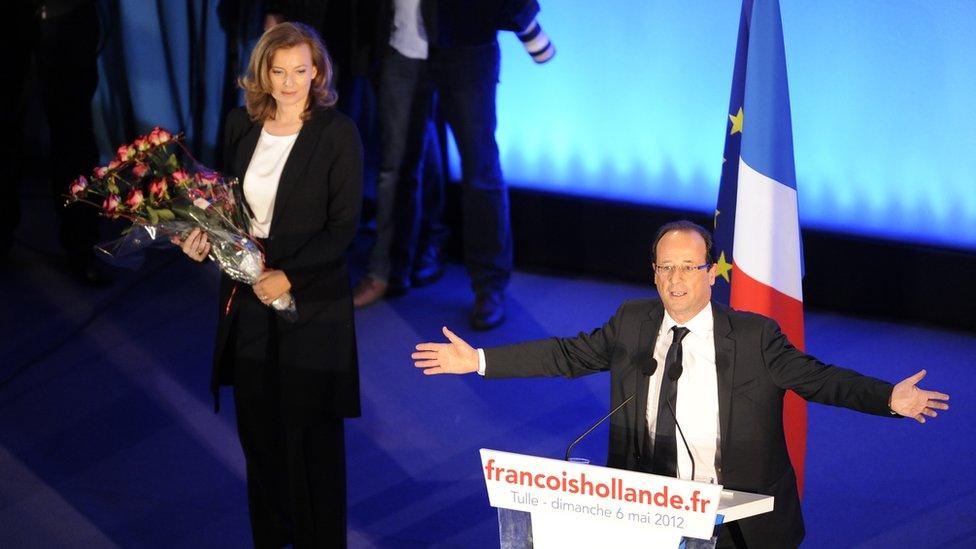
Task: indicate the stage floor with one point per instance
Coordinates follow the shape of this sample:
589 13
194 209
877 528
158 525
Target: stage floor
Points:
108 438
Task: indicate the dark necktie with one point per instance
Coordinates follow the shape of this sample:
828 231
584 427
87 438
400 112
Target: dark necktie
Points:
665 444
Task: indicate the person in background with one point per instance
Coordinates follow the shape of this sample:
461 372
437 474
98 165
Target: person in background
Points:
447 47
58 40
300 162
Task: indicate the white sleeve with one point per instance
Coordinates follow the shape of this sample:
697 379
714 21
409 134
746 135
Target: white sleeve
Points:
481 361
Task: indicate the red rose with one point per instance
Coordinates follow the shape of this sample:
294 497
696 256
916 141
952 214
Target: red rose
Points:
100 172
159 136
115 163
158 189
78 187
142 144
125 153
181 178
135 199
111 205
140 170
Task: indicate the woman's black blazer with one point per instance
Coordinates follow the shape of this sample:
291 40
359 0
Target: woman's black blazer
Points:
316 213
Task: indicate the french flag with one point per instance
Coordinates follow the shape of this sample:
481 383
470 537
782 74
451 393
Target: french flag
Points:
757 231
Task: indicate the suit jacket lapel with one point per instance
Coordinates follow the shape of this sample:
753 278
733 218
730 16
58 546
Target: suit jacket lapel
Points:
245 150
301 153
724 369
648 338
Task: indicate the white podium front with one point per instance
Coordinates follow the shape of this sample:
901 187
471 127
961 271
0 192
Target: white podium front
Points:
579 505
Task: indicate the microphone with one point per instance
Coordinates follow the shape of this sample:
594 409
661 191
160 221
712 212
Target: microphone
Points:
647 370
674 373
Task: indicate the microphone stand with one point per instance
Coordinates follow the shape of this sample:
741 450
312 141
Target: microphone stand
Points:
683 440
646 371
569 450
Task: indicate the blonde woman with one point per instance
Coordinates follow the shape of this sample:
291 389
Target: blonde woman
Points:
300 162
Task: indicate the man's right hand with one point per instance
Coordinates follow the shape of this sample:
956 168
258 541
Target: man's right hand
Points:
456 357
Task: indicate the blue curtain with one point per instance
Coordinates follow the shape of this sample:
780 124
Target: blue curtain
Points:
173 64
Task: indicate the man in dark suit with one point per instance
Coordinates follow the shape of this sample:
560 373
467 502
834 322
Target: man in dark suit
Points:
737 367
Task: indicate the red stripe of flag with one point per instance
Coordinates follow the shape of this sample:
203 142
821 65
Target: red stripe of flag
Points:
748 294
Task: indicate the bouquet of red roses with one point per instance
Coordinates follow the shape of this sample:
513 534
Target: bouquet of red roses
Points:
157 185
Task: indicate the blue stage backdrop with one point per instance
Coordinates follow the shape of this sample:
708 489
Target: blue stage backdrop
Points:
633 108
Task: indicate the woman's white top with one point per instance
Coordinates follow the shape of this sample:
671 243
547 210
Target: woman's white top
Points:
261 178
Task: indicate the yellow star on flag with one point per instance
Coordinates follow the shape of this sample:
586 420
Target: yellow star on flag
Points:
724 267
736 122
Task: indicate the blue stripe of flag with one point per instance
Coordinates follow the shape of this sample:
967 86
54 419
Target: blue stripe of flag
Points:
767 140
728 188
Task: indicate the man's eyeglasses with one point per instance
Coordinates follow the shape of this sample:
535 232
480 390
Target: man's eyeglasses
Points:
668 270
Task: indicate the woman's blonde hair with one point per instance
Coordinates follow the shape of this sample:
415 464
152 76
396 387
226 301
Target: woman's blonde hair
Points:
257 81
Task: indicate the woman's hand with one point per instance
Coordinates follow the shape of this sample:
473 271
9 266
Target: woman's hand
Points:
196 246
271 285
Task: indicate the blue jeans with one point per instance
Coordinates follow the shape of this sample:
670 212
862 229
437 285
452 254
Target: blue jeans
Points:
404 102
464 80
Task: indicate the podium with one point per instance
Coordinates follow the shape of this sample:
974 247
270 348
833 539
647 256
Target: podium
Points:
546 503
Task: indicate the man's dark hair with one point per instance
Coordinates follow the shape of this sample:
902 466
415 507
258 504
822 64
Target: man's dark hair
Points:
685 226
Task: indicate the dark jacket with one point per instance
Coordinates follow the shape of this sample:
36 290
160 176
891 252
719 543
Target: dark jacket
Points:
755 364
315 217
461 23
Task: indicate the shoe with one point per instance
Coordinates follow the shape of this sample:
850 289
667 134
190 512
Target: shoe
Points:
368 291
429 268
489 310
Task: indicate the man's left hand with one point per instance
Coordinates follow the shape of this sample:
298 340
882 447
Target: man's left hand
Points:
271 285
910 401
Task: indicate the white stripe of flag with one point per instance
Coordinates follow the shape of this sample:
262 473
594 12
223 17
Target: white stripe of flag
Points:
767 232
